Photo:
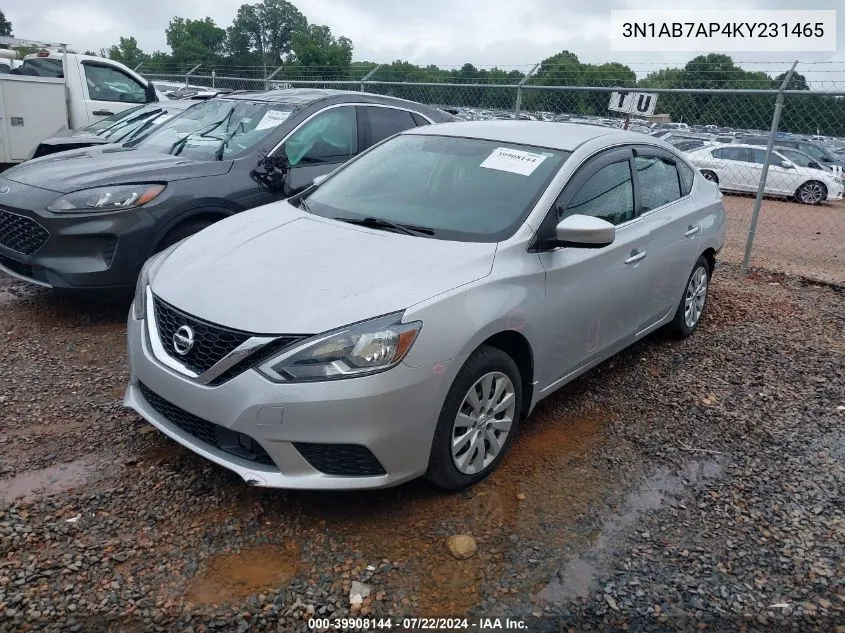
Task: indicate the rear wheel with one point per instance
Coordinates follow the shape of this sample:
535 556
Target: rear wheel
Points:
711 176
691 307
478 420
812 192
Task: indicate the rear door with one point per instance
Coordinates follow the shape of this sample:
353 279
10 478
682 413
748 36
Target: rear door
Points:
672 219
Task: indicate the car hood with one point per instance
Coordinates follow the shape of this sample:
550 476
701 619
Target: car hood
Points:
107 165
277 270
75 138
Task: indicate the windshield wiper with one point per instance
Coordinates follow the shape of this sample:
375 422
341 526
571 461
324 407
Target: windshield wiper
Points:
378 223
224 143
180 143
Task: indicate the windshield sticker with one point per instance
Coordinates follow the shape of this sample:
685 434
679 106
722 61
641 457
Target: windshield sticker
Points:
513 160
272 118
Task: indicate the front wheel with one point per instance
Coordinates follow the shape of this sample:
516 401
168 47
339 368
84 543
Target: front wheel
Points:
478 420
812 192
691 308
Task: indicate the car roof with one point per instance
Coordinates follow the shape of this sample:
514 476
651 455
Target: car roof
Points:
551 134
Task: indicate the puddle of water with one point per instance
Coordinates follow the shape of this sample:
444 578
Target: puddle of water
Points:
228 577
578 578
25 486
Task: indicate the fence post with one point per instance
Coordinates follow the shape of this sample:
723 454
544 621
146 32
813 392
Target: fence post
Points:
213 79
518 107
189 73
138 67
270 76
755 215
368 75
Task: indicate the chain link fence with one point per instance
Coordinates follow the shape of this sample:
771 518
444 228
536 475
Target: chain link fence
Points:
729 134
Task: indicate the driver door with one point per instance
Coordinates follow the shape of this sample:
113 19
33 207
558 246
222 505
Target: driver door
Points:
109 91
318 146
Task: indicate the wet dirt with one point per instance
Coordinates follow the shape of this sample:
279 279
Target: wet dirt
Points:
51 480
231 576
578 578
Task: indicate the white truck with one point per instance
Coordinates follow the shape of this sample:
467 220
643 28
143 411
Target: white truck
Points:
50 91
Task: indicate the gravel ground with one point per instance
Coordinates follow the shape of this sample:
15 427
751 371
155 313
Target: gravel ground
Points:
791 238
693 485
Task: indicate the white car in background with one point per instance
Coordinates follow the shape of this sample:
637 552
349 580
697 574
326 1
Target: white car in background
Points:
739 168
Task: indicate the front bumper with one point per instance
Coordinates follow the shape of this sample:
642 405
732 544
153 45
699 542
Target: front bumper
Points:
391 415
98 252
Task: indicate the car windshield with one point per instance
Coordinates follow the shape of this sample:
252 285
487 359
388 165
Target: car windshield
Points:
217 129
453 188
134 129
117 117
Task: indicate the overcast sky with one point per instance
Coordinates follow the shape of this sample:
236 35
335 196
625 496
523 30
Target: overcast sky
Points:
444 32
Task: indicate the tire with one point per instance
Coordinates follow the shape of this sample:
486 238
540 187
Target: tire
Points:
687 321
710 175
811 192
487 367
181 231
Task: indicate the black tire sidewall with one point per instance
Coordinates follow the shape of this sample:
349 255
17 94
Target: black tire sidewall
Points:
441 467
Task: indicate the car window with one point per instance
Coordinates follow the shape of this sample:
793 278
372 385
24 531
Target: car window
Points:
758 156
732 153
420 119
799 158
812 150
385 122
608 194
43 67
462 189
659 182
110 84
330 137
687 177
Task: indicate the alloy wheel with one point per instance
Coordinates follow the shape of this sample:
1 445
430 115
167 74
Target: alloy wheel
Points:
812 193
483 422
695 297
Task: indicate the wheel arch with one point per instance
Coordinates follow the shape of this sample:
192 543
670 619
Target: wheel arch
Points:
211 212
519 349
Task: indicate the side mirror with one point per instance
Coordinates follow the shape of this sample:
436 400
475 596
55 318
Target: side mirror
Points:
787 164
150 93
585 231
272 171
319 179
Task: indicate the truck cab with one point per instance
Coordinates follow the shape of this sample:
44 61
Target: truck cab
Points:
52 90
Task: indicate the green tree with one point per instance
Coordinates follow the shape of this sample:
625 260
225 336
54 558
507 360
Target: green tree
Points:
324 55
5 26
127 52
798 81
195 41
263 31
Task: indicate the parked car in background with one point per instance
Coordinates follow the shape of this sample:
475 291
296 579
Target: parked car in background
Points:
464 272
811 149
739 168
86 220
127 126
805 160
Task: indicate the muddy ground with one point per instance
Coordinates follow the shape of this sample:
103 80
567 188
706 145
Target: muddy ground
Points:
693 485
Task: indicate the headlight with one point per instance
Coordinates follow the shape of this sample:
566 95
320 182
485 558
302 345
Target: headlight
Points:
145 278
116 198
358 350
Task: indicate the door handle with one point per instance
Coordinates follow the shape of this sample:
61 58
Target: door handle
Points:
636 257
102 113
692 230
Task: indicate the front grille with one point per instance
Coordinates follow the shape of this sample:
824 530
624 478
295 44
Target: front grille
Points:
219 437
211 342
21 234
345 460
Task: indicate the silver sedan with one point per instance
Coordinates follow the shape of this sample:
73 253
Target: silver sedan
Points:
402 316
